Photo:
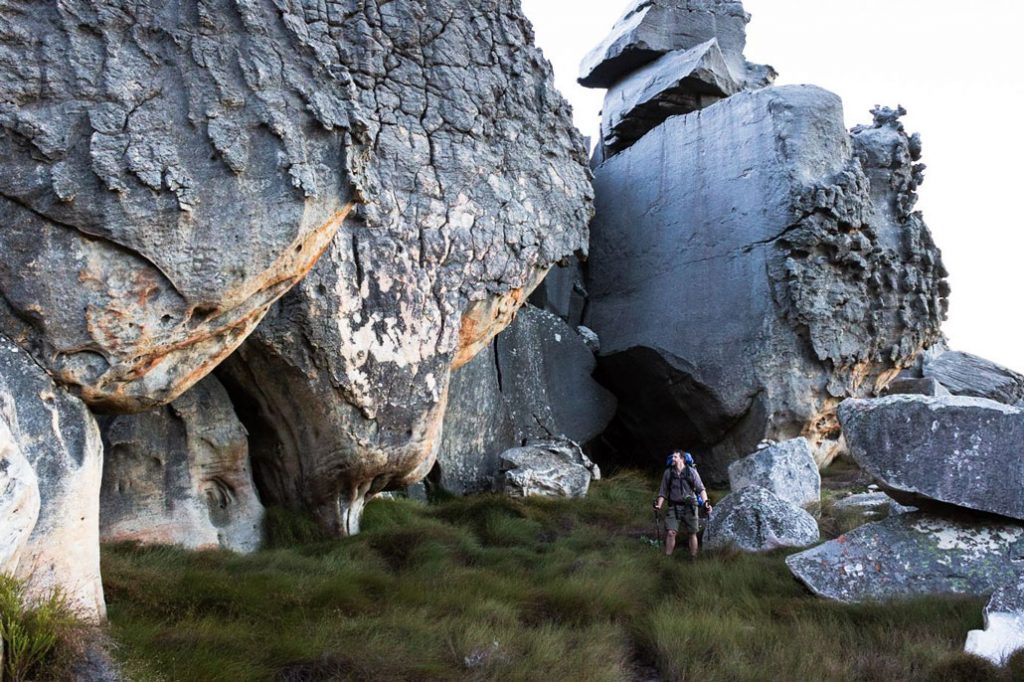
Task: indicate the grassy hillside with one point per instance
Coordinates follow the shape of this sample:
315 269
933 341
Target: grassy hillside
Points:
489 588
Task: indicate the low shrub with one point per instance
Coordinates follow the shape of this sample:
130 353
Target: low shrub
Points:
38 637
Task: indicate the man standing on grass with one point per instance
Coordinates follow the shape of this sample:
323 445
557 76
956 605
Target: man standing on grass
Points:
682 487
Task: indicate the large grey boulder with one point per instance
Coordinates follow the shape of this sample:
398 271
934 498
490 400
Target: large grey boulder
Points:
787 469
651 28
180 475
955 450
547 469
752 265
534 383
756 520
909 555
970 375
476 184
677 83
59 439
19 500
1004 624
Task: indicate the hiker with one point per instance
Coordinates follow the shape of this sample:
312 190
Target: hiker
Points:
682 487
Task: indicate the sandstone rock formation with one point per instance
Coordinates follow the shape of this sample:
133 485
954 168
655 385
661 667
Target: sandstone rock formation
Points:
180 475
756 520
786 469
533 383
474 183
912 554
966 374
1004 624
955 450
19 499
547 469
752 266
59 439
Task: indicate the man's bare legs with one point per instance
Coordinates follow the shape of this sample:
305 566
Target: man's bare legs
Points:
693 545
670 542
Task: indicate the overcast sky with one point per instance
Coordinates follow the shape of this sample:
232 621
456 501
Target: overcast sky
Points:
956 69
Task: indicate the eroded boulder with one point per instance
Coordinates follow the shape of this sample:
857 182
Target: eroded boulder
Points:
59 439
954 450
751 266
786 469
547 469
914 554
970 375
19 499
347 377
180 475
756 520
1004 624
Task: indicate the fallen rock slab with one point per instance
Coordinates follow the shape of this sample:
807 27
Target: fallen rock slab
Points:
970 375
547 469
786 469
756 520
914 554
1004 624
955 450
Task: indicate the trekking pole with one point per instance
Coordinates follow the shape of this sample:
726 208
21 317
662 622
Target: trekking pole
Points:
657 528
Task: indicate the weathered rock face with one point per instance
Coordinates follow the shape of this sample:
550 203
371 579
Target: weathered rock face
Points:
756 520
169 171
912 554
547 469
966 374
19 499
346 379
960 451
915 386
59 439
1004 624
534 383
753 265
786 469
180 475
650 28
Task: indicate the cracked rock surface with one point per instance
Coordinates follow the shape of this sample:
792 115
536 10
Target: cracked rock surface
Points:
474 183
60 441
969 375
180 475
755 519
752 264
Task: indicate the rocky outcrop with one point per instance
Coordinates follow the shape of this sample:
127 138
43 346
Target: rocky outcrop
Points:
966 374
1004 624
59 439
954 450
346 379
753 265
19 500
912 554
180 475
547 469
756 520
786 469
534 383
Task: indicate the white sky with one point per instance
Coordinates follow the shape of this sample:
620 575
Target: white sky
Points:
956 67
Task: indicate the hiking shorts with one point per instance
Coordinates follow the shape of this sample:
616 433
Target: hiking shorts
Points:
682 516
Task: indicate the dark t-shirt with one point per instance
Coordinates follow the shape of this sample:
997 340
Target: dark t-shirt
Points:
679 487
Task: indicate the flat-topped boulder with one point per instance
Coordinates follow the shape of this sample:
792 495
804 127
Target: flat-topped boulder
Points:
756 520
910 555
787 469
954 450
970 375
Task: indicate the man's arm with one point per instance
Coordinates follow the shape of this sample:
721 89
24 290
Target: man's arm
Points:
662 491
702 493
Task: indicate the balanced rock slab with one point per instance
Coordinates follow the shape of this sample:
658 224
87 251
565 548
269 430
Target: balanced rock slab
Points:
955 450
970 375
1004 624
476 183
547 469
787 469
756 520
751 265
60 440
910 555
180 475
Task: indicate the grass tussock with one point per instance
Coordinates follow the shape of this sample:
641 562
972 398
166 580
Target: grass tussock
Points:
491 588
41 638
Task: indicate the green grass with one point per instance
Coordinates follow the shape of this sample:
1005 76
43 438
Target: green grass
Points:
40 638
489 588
